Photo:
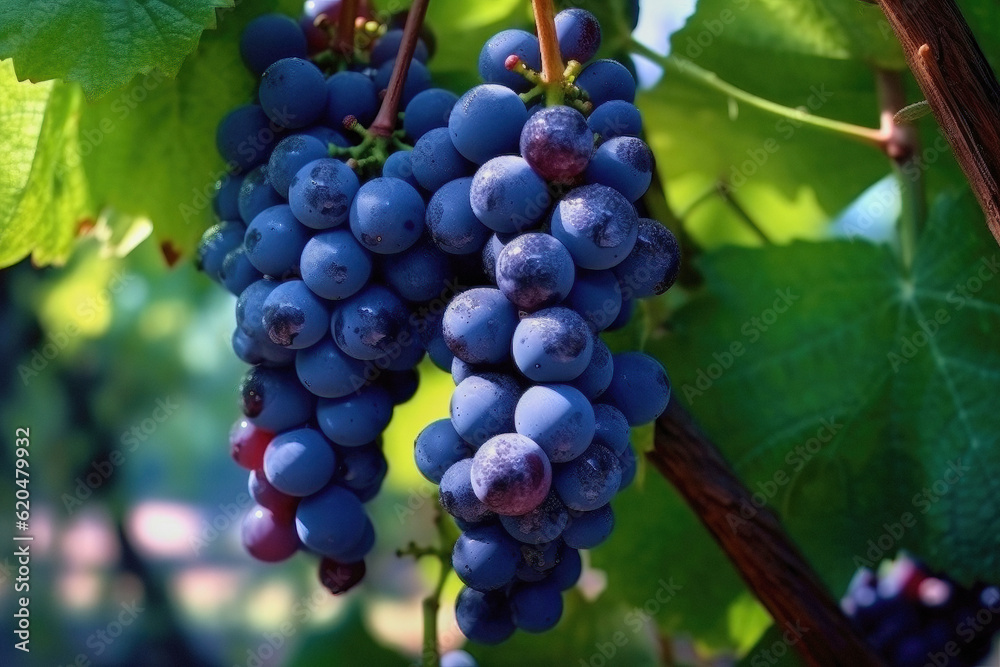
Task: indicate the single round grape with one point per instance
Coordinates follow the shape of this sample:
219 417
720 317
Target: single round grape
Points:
245 137
325 370
362 547
328 136
250 307
217 242
498 48
294 317
452 223
457 496
484 617
337 577
588 481
291 154
282 505
419 274
270 38
567 572
587 530
535 271
237 273
361 470
387 215
266 537
482 406
558 418
387 47
399 165
652 266
439 447
537 560
557 143
508 196
639 388
597 296
427 111
247 443
625 316
300 462
257 194
372 323
432 338
629 467
401 385
579 34
597 224
596 378
435 160
458 658
332 522
350 94
478 326
274 241
553 345
273 399
334 265
542 524
293 92
486 122
225 201
511 474
356 419
623 163
616 118
260 351
485 558
322 192
606 80
611 429
418 79
536 607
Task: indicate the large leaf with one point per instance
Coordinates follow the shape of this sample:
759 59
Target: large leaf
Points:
854 396
101 45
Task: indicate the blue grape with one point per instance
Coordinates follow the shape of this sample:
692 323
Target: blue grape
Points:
558 418
418 79
321 193
361 470
334 265
427 111
267 537
399 165
294 317
371 323
597 296
491 251
623 163
460 371
258 351
250 307
629 467
350 94
606 80
535 271
652 266
640 387
542 524
596 378
439 447
300 462
611 429
432 338
418 274
478 325
435 160
485 558
537 560
332 522
273 399
226 201
508 196
484 617
587 530
633 13
588 481
387 46
291 154
499 47
452 223
458 658
486 122
293 92
616 118
327 135
482 406
357 553
567 571
597 224
457 496
579 34
274 241
536 607
237 273
270 38
557 143
245 137
356 419
625 316
387 215
217 242
553 345
325 370
401 385
511 474
257 194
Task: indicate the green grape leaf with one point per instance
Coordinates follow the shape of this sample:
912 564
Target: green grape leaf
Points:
42 202
101 45
462 28
856 398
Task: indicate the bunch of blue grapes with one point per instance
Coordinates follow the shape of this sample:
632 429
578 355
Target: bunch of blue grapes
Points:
538 443
913 617
340 289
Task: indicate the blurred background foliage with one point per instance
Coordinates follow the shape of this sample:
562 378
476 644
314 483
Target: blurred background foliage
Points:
121 366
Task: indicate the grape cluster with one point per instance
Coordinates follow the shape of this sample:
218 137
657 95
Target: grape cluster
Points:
340 290
538 442
913 617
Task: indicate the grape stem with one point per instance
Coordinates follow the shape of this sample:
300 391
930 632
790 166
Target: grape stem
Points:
388 113
345 29
553 67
